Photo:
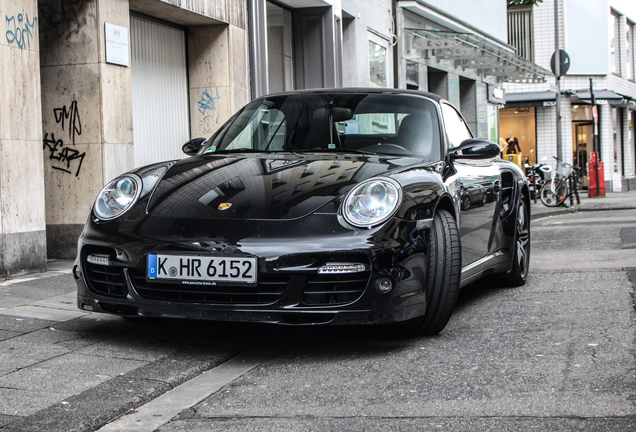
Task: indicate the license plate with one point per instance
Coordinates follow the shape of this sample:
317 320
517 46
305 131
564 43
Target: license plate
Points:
195 269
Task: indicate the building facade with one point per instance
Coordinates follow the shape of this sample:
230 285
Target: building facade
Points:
458 50
94 88
599 39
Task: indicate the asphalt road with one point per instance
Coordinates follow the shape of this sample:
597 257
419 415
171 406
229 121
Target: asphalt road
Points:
557 354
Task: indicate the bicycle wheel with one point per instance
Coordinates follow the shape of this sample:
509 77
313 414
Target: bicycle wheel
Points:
553 193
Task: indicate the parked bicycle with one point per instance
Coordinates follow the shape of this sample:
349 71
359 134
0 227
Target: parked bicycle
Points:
566 183
537 175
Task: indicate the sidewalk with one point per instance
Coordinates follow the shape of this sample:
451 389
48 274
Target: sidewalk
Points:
612 201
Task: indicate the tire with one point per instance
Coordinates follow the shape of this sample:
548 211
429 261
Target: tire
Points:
444 271
553 193
521 249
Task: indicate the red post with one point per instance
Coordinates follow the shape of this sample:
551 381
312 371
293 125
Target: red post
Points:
595 176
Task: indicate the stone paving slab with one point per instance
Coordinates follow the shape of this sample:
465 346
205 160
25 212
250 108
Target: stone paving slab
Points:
6 334
40 286
45 313
16 355
23 325
5 419
92 408
11 301
66 301
21 403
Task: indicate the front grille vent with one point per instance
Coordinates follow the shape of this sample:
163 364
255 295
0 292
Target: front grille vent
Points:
268 290
104 279
334 289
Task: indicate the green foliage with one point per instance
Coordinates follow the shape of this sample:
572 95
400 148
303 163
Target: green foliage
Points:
523 2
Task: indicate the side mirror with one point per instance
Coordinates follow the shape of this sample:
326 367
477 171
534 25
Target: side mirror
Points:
475 149
193 146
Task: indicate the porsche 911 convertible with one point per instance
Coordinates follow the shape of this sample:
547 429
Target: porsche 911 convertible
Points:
339 206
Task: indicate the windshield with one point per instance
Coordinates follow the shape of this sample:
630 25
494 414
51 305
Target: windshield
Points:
404 125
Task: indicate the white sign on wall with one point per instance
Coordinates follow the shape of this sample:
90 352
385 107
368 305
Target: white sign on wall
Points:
117 45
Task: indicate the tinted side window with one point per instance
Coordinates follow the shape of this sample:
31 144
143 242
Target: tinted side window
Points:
456 129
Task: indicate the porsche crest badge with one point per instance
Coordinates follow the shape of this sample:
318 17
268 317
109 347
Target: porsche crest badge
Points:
225 206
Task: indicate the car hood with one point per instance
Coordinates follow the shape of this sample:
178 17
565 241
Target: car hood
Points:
263 186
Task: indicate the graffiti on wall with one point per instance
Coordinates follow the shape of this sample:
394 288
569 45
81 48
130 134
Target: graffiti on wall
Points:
207 104
70 117
62 156
20 30
207 101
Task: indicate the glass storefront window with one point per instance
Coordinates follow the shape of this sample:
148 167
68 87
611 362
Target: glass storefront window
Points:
280 66
493 122
629 35
617 137
517 127
377 64
582 113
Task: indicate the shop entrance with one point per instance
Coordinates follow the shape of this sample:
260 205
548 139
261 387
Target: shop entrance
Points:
582 138
582 145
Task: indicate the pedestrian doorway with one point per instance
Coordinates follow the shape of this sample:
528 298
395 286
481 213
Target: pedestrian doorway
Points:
583 143
582 138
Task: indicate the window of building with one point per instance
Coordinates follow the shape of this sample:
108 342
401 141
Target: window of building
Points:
615 56
520 31
280 62
519 125
492 112
629 42
378 61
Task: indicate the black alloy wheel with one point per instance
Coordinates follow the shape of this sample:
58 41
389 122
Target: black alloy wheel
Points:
444 271
521 250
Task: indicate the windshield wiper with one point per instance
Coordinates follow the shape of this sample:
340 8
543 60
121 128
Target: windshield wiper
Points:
242 150
336 150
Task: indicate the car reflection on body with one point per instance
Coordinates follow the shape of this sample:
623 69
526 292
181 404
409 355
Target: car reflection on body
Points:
310 207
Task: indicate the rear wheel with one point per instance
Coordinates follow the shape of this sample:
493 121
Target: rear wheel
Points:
521 250
442 284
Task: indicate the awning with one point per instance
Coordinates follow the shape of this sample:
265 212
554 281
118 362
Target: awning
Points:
470 51
602 97
531 99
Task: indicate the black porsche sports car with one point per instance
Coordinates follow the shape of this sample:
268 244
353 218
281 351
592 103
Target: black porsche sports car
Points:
338 206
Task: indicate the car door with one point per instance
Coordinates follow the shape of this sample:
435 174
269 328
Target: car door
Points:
478 185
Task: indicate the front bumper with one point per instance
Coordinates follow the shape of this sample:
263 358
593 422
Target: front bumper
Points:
289 289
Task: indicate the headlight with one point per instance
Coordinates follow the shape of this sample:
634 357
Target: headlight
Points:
372 202
117 197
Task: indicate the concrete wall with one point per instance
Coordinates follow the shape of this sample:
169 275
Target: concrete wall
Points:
364 16
218 70
22 224
86 114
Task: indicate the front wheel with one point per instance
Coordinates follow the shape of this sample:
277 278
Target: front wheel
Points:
553 193
442 284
